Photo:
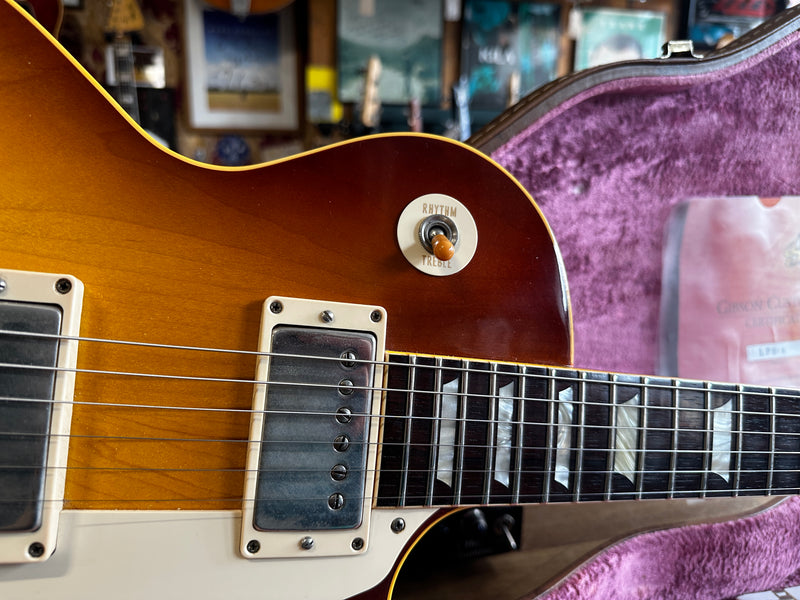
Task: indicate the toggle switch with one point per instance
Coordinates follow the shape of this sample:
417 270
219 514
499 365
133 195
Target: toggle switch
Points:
437 234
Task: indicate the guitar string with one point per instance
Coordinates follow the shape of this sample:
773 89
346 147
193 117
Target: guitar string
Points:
681 391
384 471
639 429
456 420
584 376
388 418
416 392
555 376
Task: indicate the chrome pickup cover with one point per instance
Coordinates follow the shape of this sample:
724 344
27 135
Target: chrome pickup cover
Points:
39 323
26 422
314 429
314 446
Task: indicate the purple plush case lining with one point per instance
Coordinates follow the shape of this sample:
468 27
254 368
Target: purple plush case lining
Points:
606 167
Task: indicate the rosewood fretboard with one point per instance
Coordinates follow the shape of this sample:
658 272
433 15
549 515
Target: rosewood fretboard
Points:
468 432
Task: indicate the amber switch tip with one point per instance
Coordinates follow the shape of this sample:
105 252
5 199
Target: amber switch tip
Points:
443 248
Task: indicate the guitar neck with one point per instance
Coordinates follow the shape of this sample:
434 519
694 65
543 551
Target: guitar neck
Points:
125 92
470 432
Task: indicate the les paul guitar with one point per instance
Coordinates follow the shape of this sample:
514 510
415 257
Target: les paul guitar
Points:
239 383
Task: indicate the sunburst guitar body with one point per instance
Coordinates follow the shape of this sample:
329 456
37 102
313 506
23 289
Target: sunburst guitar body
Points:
140 474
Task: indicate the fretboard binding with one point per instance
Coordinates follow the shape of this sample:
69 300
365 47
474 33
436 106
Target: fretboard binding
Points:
660 494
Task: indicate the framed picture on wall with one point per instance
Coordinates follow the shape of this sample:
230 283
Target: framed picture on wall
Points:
241 72
610 35
405 36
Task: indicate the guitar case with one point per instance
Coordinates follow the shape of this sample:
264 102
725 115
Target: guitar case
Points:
607 153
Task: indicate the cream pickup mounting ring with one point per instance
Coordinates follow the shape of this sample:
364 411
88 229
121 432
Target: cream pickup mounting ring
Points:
437 234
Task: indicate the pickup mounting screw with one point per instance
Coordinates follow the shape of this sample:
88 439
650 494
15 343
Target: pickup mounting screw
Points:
307 543
276 307
376 316
3 285
36 550
63 286
253 546
357 544
327 316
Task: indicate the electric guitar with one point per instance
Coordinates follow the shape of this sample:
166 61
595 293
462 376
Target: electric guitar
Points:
125 17
264 382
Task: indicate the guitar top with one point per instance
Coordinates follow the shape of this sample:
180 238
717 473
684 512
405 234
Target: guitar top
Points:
169 253
174 252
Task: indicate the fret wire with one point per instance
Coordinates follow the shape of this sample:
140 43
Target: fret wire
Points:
520 427
458 480
673 459
737 439
307 442
412 380
64 338
612 437
433 459
299 385
385 417
354 470
773 424
385 363
581 416
641 442
708 434
552 416
491 433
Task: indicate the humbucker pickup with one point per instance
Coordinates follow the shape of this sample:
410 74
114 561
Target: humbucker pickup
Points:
314 430
39 324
